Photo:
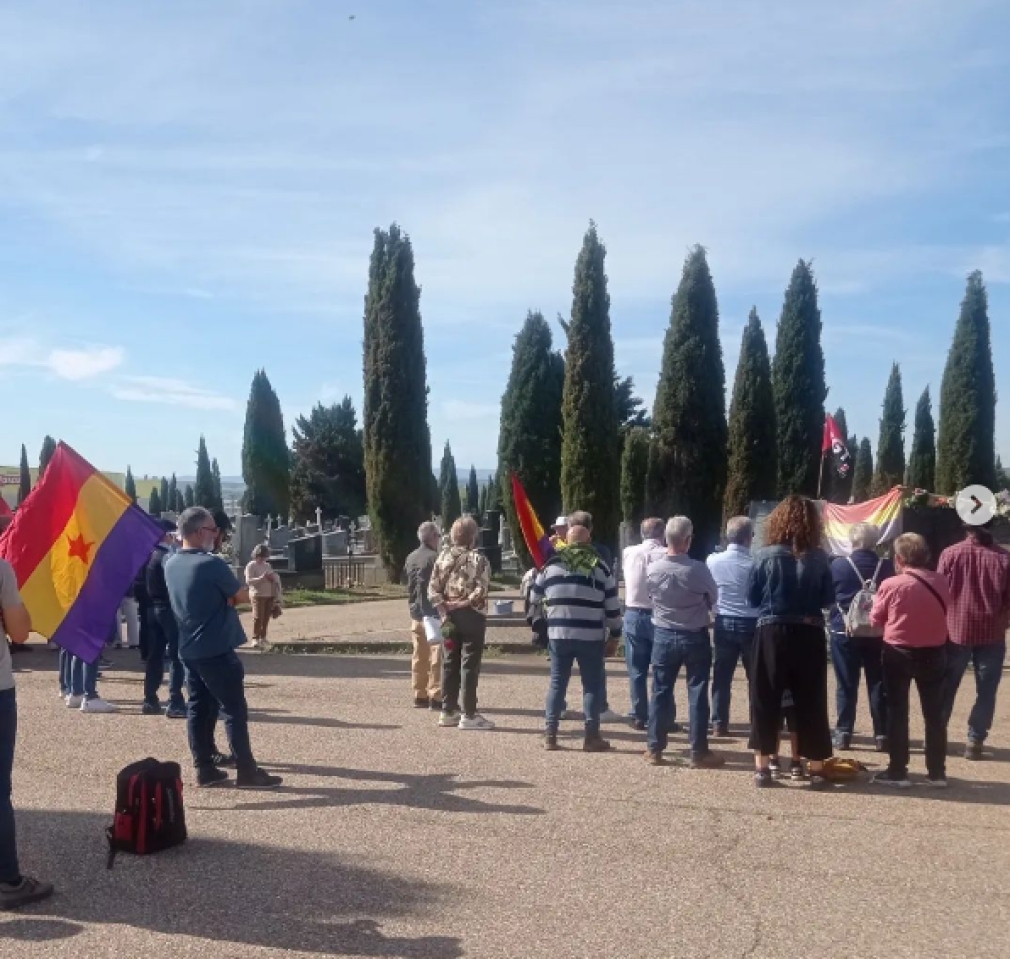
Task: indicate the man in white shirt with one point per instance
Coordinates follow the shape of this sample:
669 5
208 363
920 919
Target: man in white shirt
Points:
638 633
735 618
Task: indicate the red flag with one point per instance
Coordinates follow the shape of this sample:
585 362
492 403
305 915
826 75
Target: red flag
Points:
834 443
537 542
5 510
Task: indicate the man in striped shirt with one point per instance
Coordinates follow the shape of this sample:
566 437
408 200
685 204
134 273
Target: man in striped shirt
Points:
576 595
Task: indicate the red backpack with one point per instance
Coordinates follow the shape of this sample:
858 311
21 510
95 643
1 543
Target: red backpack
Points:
149 813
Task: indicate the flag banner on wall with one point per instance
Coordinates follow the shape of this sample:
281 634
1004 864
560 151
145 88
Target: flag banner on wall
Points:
884 512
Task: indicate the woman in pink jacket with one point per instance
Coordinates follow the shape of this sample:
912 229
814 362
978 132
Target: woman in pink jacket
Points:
912 608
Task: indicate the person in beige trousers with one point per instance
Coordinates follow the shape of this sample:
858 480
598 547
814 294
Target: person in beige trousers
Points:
264 592
426 661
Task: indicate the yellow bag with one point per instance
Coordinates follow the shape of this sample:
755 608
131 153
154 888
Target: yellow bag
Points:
840 770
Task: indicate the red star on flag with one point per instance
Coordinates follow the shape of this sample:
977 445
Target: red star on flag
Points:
79 548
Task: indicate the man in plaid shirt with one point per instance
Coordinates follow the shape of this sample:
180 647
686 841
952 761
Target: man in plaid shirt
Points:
978 572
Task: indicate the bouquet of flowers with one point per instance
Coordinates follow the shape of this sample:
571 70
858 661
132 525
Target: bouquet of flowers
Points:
449 634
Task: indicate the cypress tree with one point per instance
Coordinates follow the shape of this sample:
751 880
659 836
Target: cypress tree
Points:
529 436
752 473
154 503
862 475
266 464
48 448
166 503
839 488
798 384
965 446
590 447
397 441
482 503
25 479
687 458
495 499
922 461
1002 479
215 473
189 497
173 493
449 484
890 469
130 485
473 493
634 470
203 491
329 463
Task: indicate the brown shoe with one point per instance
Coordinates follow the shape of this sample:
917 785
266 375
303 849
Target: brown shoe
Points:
709 760
420 702
595 744
654 759
551 742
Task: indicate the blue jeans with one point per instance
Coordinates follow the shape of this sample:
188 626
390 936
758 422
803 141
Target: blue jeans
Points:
638 655
65 672
672 649
987 662
83 678
9 869
733 640
588 653
163 634
218 683
852 655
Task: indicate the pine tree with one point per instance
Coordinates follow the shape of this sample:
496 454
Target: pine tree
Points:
965 446
590 447
266 464
472 493
397 441
203 490
890 471
687 458
449 483
862 475
798 384
166 503
173 493
189 497
215 473
25 479
634 471
839 488
922 461
752 473
130 485
46 454
154 503
529 436
329 463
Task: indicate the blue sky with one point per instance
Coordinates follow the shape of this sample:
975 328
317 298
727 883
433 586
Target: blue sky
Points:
188 192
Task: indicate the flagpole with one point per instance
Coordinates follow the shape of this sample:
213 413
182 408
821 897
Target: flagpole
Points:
820 475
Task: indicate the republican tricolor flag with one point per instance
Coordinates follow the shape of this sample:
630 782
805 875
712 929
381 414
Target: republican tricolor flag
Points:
76 544
537 541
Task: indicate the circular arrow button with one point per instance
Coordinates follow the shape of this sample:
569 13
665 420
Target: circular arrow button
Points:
976 505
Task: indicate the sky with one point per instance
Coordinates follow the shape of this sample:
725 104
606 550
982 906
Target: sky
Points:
188 192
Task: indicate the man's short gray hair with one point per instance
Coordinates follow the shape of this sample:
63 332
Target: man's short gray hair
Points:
739 530
192 519
864 536
652 528
581 518
426 529
679 529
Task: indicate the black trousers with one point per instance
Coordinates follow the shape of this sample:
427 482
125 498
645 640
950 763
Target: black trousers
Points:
461 663
926 666
789 656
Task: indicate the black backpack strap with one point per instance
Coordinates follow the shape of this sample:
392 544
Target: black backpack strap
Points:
939 598
113 849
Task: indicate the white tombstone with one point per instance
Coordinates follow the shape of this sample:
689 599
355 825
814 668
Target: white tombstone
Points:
319 520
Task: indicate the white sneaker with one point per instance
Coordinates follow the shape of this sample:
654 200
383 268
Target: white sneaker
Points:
74 702
448 718
97 705
609 716
476 721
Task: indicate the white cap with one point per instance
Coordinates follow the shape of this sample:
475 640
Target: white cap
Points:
560 521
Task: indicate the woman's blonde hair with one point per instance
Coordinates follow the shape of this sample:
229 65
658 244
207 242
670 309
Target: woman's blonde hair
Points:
912 550
464 532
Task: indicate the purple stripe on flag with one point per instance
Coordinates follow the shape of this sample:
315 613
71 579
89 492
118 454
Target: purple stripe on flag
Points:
88 623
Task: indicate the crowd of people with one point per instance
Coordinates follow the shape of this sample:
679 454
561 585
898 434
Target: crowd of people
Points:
894 621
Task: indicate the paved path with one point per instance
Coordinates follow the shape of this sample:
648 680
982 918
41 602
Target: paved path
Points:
393 838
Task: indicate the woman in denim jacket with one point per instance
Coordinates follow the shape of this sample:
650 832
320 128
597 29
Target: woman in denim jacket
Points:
791 585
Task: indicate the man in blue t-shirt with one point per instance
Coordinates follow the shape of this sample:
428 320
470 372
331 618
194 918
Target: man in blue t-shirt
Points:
204 592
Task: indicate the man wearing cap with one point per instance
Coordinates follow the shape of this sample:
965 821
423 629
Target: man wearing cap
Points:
560 537
163 634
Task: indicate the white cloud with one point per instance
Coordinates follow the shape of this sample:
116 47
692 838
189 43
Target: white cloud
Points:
172 392
84 363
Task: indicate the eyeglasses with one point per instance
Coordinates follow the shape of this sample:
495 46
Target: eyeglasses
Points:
208 529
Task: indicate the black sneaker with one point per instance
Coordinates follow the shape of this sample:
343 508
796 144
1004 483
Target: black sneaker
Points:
435 705
206 778
151 709
841 740
774 766
177 712
258 779
639 726
14 895
897 780
763 779
797 771
224 760
973 751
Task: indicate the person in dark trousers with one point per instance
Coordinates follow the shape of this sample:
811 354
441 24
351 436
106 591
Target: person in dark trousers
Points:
911 608
204 593
143 611
426 661
163 635
791 586
855 655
